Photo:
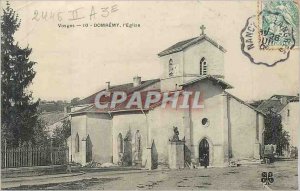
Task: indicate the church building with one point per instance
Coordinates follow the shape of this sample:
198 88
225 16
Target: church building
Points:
226 129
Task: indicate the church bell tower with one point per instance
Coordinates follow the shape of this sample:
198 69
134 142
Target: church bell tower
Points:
190 59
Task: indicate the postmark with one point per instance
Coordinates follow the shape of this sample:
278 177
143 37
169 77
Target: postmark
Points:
269 36
256 43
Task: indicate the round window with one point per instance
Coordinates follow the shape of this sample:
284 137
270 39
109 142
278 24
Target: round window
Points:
205 122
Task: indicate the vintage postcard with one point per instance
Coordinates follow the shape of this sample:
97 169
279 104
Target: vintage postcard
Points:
150 95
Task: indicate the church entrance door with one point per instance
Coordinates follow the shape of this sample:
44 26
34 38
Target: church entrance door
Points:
204 153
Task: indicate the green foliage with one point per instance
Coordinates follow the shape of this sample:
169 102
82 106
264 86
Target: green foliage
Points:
19 112
294 152
75 101
61 133
40 135
274 134
52 106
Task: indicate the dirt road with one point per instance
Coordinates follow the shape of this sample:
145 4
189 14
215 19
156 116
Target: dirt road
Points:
285 176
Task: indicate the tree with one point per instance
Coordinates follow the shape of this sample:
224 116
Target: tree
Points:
40 135
61 133
19 112
75 101
274 134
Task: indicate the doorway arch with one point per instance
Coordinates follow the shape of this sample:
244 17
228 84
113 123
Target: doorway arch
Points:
204 152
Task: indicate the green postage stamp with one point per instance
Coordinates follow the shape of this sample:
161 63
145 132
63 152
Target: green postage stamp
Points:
279 23
269 36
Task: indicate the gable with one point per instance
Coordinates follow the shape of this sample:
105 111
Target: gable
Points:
245 104
180 46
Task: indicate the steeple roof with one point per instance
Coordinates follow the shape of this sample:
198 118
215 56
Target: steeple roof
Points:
179 46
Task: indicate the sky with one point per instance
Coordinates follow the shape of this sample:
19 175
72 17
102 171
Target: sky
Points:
76 62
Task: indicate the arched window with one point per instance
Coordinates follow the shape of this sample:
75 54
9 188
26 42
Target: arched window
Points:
77 143
138 145
89 149
203 66
120 143
171 68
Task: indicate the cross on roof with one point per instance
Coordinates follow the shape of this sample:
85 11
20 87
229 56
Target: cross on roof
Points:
202 29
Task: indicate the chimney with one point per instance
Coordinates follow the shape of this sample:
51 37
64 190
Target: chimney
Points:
107 85
136 81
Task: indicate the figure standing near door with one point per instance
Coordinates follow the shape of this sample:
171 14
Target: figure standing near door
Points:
204 153
205 160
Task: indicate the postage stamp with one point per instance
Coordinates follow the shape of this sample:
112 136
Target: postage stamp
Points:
278 21
269 36
257 47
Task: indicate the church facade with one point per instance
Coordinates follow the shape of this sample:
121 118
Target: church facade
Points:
226 129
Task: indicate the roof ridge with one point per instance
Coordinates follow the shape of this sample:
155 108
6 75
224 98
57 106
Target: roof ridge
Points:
156 79
245 103
206 77
270 103
144 84
181 45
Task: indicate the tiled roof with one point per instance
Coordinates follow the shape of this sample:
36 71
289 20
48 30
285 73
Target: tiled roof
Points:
91 108
283 96
128 88
209 77
121 107
275 103
295 99
186 43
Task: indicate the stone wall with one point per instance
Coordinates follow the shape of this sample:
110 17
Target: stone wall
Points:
99 129
129 123
213 130
290 122
243 126
161 122
78 126
214 58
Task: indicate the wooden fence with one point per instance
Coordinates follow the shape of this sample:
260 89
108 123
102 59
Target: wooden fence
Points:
28 155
